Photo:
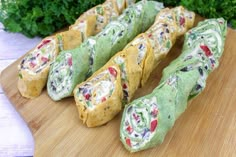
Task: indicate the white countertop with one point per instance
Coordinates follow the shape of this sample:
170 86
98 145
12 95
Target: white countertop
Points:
15 137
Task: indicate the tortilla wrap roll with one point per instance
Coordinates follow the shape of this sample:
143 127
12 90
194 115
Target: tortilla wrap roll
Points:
97 50
146 120
34 67
139 58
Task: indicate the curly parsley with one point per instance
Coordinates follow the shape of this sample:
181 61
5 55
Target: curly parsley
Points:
41 17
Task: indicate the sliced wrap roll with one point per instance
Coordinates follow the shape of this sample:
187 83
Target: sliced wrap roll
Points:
146 121
97 50
139 58
34 67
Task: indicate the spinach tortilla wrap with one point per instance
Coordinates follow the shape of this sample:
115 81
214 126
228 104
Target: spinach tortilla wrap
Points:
93 53
146 120
99 101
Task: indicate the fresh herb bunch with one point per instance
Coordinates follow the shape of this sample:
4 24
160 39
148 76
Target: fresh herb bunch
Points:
209 8
41 17
170 2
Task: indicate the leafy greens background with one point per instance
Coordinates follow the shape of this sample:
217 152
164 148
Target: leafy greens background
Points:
43 17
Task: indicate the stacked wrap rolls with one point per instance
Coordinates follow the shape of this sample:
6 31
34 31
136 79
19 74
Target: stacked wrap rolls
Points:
34 67
74 66
146 120
100 98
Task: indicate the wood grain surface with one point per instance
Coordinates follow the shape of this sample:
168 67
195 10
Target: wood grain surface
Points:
206 128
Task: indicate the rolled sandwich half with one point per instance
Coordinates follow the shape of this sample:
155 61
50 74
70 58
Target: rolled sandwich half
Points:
135 62
34 67
146 121
97 50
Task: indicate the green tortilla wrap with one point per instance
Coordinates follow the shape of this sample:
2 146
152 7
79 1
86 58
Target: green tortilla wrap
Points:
146 121
99 49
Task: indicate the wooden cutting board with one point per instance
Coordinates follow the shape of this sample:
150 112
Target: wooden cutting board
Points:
206 128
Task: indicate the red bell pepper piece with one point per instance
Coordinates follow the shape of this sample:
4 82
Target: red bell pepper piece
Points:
153 125
87 96
124 86
70 61
32 64
206 50
182 21
44 42
128 141
103 99
112 71
129 129
44 59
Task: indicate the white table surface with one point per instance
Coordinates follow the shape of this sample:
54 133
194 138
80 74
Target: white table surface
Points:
15 137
